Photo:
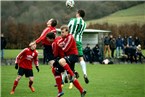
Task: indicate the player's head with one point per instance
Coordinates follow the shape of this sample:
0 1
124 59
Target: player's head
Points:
32 45
64 30
80 13
52 22
50 36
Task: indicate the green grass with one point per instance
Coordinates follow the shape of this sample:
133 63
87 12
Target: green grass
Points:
135 14
12 53
118 80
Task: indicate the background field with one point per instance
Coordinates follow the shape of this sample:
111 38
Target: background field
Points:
118 80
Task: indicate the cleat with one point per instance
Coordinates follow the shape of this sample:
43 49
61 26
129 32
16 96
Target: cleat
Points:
12 92
83 93
70 86
86 79
32 89
60 94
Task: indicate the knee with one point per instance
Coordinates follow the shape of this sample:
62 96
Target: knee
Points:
62 62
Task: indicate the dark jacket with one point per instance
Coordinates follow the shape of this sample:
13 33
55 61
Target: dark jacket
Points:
3 43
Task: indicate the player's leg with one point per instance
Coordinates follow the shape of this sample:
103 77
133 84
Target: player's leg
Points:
63 63
20 74
83 65
29 73
81 60
15 84
58 80
31 83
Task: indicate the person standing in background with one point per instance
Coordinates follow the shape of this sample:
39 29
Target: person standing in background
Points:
3 45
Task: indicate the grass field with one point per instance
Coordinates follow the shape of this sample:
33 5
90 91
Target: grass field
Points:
135 14
12 53
118 80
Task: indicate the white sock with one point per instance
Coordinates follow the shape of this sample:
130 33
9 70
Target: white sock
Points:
64 75
83 64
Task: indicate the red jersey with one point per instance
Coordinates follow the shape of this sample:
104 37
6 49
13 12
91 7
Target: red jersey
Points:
43 38
69 47
57 51
26 57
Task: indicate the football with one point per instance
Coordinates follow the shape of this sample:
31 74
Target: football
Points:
70 3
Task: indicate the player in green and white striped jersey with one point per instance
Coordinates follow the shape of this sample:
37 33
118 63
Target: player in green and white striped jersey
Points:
76 27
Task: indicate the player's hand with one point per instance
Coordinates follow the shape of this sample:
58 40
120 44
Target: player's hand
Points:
37 68
16 66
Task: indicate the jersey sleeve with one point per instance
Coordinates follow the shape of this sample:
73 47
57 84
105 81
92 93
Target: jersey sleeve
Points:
36 59
20 55
43 35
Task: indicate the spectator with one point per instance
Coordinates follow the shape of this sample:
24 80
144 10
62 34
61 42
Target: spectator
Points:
87 53
112 45
3 45
124 43
130 41
139 53
119 44
96 53
131 53
107 46
136 41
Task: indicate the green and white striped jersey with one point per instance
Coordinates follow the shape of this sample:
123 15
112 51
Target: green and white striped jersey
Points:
76 27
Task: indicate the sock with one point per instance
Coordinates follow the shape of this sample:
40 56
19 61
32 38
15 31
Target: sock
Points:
58 80
15 85
30 83
63 76
83 64
77 85
66 67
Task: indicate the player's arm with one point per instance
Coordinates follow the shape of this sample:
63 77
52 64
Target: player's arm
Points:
43 35
67 44
19 57
36 61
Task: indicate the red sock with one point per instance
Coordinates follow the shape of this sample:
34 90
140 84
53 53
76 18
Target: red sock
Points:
77 85
30 83
66 67
15 85
58 82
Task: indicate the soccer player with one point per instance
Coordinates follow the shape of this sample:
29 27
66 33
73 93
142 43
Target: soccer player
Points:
47 51
76 28
67 45
24 65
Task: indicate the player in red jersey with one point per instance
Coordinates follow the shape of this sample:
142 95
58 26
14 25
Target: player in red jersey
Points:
47 50
24 63
67 45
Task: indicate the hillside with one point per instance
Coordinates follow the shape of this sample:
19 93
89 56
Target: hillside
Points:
135 14
28 12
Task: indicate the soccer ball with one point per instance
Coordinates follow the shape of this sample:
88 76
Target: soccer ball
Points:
70 3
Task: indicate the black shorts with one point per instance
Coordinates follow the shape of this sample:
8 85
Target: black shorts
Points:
48 52
27 72
71 60
58 68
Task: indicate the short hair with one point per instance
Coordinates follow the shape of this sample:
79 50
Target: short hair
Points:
53 22
51 35
81 13
64 27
